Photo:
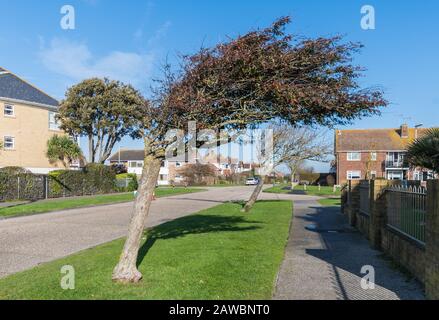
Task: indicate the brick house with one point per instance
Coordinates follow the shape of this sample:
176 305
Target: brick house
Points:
376 153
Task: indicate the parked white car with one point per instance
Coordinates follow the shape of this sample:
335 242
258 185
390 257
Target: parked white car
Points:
252 182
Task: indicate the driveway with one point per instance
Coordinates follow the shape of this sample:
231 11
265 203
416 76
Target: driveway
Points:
28 241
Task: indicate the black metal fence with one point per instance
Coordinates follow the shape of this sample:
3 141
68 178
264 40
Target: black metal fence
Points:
28 186
406 210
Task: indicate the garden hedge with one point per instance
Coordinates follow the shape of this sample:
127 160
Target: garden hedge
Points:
93 179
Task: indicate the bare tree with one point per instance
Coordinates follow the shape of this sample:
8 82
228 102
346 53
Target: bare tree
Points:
306 144
290 146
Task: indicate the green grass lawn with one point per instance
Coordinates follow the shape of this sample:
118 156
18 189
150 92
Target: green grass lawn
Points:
79 202
219 253
310 190
330 202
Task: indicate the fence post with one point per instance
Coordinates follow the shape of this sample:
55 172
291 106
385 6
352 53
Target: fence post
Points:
432 241
18 187
378 208
354 201
45 187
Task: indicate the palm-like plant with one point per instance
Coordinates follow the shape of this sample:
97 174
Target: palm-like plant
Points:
424 152
62 148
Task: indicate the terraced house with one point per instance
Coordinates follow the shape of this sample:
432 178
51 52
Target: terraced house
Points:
27 121
376 153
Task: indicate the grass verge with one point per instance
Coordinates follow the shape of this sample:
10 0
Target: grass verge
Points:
81 202
219 253
310 190
330 202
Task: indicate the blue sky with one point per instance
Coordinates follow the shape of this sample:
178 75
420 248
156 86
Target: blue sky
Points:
128 40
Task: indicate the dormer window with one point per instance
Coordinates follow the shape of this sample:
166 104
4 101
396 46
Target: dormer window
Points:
9 110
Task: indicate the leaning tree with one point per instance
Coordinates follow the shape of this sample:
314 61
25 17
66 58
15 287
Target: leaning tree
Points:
104 111
263 75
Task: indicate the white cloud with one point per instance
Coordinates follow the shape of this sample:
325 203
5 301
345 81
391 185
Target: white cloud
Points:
75 61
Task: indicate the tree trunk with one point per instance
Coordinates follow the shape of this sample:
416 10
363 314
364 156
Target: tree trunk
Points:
254 197
293 176
126 270
91 153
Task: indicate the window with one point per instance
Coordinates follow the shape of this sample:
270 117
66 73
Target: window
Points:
9 110
135 164
373 175
53 122
9 143
354 175
178 164
373 156
354 156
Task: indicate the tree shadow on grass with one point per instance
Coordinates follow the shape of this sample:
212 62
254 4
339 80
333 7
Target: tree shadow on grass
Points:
196 224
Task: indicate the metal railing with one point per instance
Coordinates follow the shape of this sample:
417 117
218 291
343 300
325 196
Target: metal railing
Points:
406 210
396 164
365 197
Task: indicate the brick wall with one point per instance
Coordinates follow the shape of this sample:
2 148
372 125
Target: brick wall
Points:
421 260
405 252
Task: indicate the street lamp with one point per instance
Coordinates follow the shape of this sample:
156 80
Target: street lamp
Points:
416 129
119 153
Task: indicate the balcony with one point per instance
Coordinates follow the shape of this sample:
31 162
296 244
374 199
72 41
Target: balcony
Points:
396 165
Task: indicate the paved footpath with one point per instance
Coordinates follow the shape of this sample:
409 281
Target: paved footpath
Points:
324 257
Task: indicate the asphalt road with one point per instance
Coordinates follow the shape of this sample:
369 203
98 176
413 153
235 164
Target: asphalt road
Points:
31 240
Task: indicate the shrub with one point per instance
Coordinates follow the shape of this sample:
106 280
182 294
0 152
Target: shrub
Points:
330 180
16 184
93 179
132 184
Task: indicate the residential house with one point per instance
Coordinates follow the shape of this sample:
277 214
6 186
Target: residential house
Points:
169 171
27 121
376 153
227 166
134 160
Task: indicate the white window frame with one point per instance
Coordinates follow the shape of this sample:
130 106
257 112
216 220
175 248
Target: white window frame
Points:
353 173
53 125
351 158
135 164
12 108
13 142
373 156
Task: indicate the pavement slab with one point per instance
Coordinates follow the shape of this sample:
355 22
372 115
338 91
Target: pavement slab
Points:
324 257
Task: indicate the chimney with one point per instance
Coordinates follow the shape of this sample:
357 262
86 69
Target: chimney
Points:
404 131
